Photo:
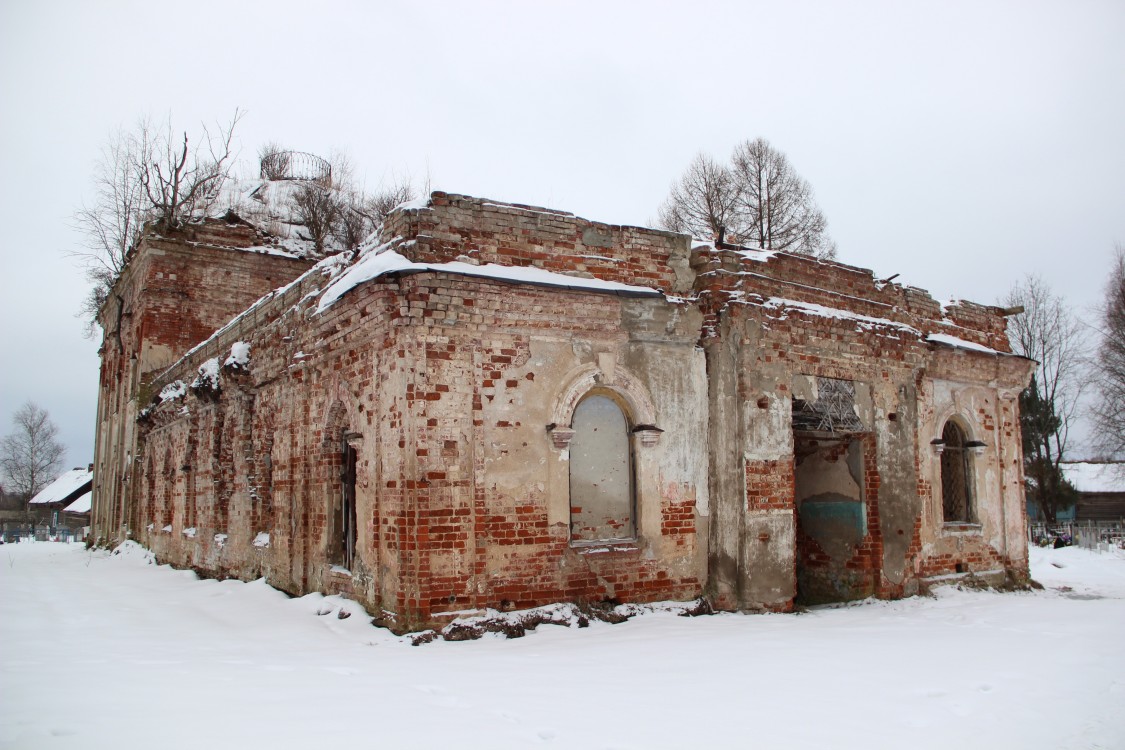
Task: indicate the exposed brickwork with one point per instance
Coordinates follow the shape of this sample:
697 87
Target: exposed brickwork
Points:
769 485
456 392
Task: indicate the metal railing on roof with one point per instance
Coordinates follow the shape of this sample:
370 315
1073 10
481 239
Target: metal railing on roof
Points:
295 165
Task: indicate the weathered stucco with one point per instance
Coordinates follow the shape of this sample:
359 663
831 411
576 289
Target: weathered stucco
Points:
457 395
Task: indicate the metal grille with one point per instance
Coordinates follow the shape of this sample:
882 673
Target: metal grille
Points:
832 411
956 492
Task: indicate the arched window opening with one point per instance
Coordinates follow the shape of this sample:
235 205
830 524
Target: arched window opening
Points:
347 523
601 472
956 475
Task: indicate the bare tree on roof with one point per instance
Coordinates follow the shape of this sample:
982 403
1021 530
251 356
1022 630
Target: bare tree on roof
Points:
319 208
30 457
179 178
340 211
145 175
112 223
758 199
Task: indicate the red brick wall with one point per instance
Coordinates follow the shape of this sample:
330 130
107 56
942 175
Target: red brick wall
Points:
439 376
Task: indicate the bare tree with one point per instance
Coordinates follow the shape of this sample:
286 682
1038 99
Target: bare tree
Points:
758 199
112 224
145 175
30 456
318 208
1050 334
702 202
775 205
388 197
341 211
178 178
1109 410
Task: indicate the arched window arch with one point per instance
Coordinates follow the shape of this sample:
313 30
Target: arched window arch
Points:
602 486
956 475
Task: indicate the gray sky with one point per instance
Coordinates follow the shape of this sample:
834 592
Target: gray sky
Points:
959 144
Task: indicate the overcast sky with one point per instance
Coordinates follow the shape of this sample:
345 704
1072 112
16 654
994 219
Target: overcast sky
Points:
959 144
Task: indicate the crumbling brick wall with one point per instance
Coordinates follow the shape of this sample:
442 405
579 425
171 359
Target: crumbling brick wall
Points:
174 293
457 392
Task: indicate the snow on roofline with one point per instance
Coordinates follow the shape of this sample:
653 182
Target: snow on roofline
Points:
759 254
70 481
81 505
824 311
387 261
1091 476
947 340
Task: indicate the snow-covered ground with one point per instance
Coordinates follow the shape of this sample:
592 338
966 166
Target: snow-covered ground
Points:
101 651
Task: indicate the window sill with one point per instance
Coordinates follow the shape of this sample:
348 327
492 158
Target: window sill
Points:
599 546
960 528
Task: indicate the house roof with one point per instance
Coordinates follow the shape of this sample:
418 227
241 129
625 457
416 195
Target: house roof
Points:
81 505
70 483
1088 476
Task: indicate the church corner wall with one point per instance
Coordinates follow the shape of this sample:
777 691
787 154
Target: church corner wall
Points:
453 391
173 293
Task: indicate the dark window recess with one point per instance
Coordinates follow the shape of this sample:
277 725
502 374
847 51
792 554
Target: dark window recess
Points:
956 475
348 514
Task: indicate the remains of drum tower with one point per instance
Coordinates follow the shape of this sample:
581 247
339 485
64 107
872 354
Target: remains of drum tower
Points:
491 405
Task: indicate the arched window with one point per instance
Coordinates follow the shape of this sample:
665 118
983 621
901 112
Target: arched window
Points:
601 472
347 540
956 475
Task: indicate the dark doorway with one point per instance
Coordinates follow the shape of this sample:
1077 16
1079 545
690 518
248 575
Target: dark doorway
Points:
830 471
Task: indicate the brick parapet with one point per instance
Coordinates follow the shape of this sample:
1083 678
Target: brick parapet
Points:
729 275
452 227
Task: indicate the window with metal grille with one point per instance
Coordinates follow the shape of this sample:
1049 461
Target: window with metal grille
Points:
956 475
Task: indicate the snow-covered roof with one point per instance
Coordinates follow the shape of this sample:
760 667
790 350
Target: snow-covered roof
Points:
1088 476
81 505
378 263
270 205
863 322
943 338
67 484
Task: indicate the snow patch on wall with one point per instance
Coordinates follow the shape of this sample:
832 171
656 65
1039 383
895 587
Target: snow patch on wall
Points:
239 355
208 375
175 389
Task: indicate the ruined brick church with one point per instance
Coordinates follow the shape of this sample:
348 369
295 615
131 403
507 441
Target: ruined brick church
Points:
497 405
